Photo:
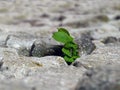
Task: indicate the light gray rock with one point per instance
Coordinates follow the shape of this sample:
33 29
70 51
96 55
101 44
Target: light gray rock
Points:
106 30
102 55
102 78
37 72
14 85
33 62
21 43
20 66
64 78
85 20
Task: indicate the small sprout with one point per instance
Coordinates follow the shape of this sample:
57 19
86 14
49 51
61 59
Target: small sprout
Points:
70 48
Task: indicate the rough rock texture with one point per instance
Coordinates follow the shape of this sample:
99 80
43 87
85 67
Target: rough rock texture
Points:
102 78
31 60
102 55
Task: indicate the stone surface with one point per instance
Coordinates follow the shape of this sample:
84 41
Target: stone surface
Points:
86 46
102 55
102 78
22 43
26 28
46 47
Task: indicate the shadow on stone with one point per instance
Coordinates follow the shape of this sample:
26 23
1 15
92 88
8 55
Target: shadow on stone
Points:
45 50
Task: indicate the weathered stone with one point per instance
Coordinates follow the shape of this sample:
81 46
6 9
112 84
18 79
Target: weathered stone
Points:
102 78
64 78
86 46
41 48
106 30
110 40
102 55
14 85
33 62
21 43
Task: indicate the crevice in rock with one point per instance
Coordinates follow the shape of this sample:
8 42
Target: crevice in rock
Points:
32 47
46 46
42 49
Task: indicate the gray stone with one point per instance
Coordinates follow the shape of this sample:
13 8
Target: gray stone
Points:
21 66
21 62
102 78
110 40
102 55
14 85
86 46
64 78
106 30
21 43
85 21
42 48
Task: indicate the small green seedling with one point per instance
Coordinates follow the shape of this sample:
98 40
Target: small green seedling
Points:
70 48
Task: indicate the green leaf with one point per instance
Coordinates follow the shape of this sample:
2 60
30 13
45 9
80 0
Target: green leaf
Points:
70 49
62 37
75 53
66 52
69 59
71 45
75 57
63 30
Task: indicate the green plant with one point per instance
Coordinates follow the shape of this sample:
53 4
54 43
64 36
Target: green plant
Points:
70 48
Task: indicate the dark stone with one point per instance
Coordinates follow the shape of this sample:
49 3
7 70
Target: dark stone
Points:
110 40
117 17
118 39
102 18
77 64
44 15
76 5
40 49
77 24
101 78
33 88
59 18
31 22
1 63
86 46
